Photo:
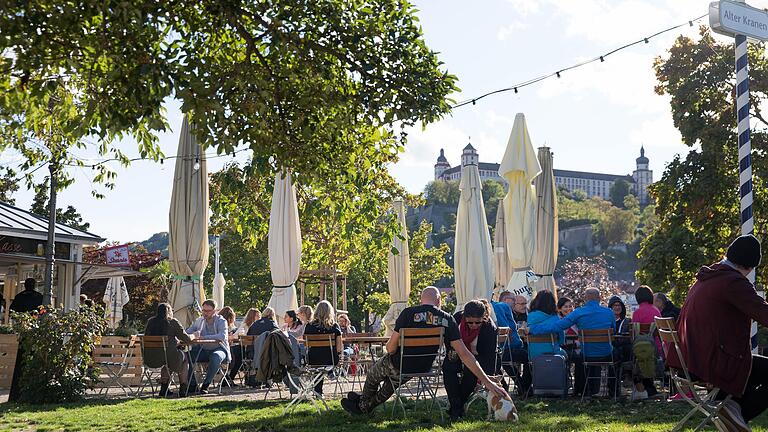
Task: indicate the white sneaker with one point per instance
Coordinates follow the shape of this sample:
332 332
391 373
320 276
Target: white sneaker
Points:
639 395
731 411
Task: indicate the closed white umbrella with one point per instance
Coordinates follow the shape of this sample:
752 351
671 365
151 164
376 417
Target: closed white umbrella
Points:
284 245
500 257
188 228
545 258
519 167
218 289
398 271
473 255
115 298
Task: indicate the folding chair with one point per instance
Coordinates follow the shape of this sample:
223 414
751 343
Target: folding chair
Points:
246 364
481 393
420 343
111 355
703 395
550 339
313 373
598 336
150 344
200 368
506 347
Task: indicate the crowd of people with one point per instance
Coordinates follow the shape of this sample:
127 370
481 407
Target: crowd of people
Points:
713 327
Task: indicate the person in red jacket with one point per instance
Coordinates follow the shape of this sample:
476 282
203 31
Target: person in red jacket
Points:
714 329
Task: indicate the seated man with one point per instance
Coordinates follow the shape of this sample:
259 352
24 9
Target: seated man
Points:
209 326
590 316
714 330
378 387
479 335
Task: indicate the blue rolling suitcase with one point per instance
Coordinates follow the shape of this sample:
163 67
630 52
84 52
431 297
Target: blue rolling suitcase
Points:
550 375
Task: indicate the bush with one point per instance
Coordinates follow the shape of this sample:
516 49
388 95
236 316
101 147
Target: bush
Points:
57 362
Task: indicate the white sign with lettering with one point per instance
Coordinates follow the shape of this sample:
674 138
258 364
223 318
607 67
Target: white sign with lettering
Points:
731 18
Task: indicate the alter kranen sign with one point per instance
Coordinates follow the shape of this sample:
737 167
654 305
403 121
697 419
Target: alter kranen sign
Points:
732 18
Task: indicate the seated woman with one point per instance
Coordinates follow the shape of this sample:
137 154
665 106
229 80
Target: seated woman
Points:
645 314
346 328
544 309
265 324
292 324
164 324
251 317
324 323
229 314
479 333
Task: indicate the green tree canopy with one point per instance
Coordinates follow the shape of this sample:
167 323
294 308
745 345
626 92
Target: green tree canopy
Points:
618 191
697 197
69 216
316 87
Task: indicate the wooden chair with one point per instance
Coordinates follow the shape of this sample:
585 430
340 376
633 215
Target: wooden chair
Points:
313 373
149 344
247 360
702 395
592 337
504 341
9 348
112 355
428 343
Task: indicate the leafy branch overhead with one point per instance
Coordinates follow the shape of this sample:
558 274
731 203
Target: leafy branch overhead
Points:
317 87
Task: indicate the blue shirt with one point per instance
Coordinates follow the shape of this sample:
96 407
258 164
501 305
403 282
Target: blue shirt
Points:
504 319
591 316
536 349
218 330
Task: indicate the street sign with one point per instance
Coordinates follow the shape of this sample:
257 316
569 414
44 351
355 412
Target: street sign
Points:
731 18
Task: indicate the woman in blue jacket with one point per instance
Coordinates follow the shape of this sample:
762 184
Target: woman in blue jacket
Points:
544 310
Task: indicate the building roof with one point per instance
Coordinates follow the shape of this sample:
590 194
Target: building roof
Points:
592 176
17 222
442 158
642 159
469 147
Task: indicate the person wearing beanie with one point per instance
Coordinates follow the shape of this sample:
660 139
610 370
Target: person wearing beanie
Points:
714 331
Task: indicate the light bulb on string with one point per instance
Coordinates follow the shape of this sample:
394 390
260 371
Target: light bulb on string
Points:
196 166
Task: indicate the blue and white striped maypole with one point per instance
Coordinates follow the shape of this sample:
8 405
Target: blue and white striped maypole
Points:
745 151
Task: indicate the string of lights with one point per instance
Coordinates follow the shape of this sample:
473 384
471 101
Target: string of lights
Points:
599 58
162 159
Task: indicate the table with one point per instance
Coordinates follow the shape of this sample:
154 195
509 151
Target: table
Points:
364 340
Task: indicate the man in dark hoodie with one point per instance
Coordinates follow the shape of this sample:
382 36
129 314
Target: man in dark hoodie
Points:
714 329
665 305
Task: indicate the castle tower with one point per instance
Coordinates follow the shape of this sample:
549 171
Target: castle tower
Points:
469 156
441 165
643 178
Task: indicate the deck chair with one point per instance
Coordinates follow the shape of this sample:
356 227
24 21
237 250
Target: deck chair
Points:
151 374
702 394
111 355
505 346
598 336
481 393
312 373
420 343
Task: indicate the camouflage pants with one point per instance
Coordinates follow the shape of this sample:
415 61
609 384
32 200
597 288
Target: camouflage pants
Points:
378 384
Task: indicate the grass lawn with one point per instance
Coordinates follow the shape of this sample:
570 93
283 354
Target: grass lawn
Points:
267 416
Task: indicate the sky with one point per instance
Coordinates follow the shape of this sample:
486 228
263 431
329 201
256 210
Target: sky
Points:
594 118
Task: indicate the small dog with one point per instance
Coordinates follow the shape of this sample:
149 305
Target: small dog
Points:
503 409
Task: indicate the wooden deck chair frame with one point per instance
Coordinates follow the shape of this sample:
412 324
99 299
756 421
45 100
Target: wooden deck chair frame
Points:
312 374
480 392
345 364
200 368
702 396
595 336
548 338
151 373
246 364
9 349
428 382
504 342
114 369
